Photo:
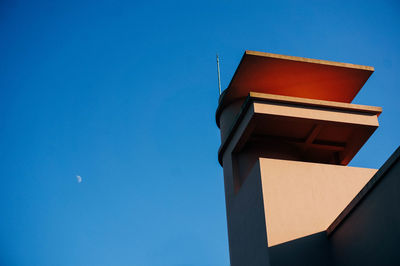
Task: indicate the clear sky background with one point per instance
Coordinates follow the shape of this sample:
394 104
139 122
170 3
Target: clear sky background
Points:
123 93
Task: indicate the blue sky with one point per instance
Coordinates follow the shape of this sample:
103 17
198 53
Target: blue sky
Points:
123 93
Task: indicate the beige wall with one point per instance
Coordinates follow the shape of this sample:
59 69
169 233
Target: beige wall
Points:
301 198
369 235
282 203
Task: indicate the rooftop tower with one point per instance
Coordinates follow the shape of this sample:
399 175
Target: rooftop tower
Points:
288 130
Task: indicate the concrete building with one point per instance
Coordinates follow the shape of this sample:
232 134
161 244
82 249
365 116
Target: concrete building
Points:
288 131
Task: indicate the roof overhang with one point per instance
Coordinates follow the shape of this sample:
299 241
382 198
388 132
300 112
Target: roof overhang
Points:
294 76
328 132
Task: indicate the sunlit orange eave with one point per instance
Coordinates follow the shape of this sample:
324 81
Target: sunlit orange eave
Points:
295 76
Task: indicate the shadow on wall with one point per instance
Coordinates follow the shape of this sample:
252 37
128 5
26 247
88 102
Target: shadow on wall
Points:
310 250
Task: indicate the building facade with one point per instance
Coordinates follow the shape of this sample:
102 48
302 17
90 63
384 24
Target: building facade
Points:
288 130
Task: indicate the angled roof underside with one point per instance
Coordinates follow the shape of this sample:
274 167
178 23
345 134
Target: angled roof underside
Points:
295 76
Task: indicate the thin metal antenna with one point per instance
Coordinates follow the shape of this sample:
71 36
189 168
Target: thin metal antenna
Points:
219 78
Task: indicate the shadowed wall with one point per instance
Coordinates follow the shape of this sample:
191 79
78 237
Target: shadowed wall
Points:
370 234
